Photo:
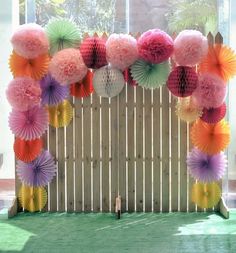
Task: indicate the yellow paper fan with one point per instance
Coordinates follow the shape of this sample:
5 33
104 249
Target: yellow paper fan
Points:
187 110
206 195
60 115
32 199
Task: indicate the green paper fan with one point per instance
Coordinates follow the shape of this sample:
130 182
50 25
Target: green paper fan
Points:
62 33
150 75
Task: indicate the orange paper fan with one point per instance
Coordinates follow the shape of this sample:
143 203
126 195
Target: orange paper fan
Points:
220 60
210 138
35 68
27 151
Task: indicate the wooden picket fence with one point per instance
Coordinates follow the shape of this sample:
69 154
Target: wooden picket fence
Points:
131 145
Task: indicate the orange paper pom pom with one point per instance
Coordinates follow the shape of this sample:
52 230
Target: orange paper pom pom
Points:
210 138
220 60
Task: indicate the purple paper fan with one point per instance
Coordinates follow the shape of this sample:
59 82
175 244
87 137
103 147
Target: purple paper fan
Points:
52 92
39 172
206 168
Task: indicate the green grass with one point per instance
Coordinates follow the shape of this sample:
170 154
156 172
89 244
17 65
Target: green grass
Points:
102 233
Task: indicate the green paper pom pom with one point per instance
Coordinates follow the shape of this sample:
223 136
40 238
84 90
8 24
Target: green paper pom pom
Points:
62 33
150 75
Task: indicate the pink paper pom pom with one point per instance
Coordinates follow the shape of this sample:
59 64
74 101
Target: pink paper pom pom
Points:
121 50
67 66
210 92
190 47
30 41
23 93
155 46
29 125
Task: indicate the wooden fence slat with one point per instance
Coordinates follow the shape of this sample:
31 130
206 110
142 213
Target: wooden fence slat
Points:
131 179
96 153
148 150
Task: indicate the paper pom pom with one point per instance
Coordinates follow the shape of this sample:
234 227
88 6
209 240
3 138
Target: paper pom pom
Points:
35 68
83 88
187 110
108 81
214 115
155 46
210 92
62 33
93 51
60 115
39 172
190 47
206 168
206 195
150 75
220 60
121 50
182 81
29 125
128 77
23 93
67 66
27 151
210 138
32 199
30 41
52 92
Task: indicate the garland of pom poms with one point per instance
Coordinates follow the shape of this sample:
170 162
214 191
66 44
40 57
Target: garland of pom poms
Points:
50 64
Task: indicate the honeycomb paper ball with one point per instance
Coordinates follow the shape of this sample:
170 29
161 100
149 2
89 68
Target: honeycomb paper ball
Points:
190 47
155 46
108 81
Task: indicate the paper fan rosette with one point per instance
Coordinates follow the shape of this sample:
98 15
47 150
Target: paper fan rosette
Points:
220 60
32 199
206 195
83 88
187 110
35 68
62 33
150 75
128 77
27 151
214 115
210 138
60 115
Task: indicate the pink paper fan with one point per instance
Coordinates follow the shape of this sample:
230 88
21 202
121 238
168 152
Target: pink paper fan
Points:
128 77
214 115
29 125
182 81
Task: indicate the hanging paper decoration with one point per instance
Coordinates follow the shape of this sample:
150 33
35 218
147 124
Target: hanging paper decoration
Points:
214 115
62 33
128 77
206 195
83 88
52 92
187 110
220 60
210 138
108 81
93 51
67 66
30 41
210 92
29 125
32 199
190 47
206 168
23 93
150 75
60 115
39 172
121 50
182 81
155 46
27 151
35 68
